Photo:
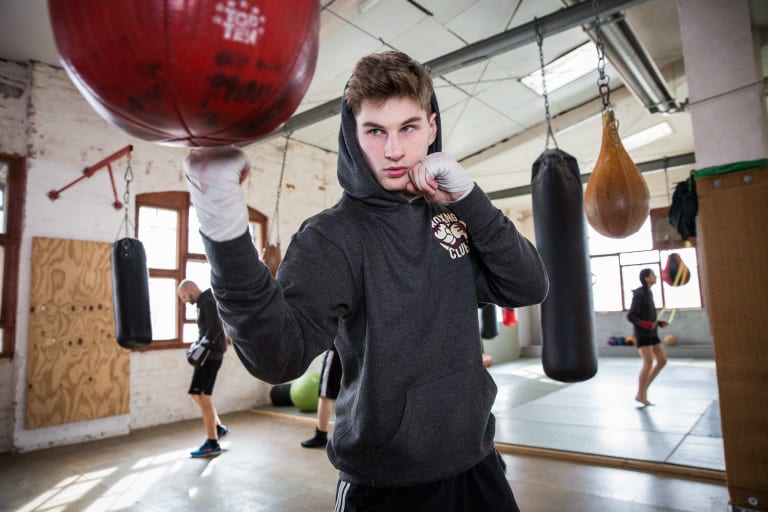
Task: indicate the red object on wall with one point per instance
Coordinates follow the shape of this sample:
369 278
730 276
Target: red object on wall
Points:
508 317
189 72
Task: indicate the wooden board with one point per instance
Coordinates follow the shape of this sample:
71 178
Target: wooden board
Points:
76 371
733 243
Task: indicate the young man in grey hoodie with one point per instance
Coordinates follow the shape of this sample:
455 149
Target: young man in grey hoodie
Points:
394 273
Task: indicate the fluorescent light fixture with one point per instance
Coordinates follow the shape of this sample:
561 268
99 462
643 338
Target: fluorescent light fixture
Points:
647 136
366 4
564 69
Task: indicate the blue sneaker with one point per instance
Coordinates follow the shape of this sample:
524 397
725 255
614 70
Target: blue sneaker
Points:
208 449
221 431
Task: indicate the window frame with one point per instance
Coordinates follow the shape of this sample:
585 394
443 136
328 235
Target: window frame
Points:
181 203
662 240
10 240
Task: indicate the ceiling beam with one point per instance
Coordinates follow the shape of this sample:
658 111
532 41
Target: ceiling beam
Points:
558 21
649 166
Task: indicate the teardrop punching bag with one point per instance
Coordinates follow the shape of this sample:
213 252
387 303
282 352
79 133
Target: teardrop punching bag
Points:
189 72
567 319
616 199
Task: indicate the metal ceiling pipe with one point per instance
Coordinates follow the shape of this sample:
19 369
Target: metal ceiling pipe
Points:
558 21
632 61
649 166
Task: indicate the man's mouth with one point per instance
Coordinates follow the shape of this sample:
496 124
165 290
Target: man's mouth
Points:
396 172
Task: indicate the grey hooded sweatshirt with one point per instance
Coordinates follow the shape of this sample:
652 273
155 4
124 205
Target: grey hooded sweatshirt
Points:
396 284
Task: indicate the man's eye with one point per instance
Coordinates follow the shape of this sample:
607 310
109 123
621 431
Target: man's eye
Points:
374 131
409 128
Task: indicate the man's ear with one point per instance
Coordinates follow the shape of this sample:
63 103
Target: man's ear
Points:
432 127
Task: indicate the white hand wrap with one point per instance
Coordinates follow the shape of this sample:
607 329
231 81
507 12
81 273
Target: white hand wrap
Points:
448 173
213 176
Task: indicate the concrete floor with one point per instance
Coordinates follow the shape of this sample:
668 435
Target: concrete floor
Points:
264 468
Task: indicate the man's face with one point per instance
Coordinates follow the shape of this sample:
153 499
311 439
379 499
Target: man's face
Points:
394 135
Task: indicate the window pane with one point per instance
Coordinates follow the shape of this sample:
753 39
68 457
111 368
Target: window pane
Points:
3 203
606 283
689 294
162 304
191 332
255 230
158 232
631 278
200 273
638 258
194 240
640 241
2 274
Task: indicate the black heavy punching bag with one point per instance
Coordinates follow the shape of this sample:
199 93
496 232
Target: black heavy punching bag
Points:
567 320
130 294
489 326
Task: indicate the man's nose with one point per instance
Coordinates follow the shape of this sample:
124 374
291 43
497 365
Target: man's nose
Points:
394 148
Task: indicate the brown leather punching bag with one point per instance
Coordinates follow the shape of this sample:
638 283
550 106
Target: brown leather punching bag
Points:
616 199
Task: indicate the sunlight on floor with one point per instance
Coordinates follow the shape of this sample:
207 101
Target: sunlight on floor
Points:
121 495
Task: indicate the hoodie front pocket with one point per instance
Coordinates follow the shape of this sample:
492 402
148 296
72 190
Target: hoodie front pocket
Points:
444 418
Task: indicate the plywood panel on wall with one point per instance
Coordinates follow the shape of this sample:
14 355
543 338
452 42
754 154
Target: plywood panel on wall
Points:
76 371
733 242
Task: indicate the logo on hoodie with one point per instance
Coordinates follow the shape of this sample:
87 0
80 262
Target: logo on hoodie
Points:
451 233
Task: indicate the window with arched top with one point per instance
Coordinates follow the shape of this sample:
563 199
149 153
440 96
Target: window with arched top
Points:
12 192
167 226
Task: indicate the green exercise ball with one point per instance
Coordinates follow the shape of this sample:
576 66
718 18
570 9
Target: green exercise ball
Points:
304 391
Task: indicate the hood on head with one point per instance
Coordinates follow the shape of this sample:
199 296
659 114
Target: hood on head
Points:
354 175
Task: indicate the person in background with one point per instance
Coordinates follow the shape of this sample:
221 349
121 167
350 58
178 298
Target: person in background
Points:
392 275
642 314
330 382
204 377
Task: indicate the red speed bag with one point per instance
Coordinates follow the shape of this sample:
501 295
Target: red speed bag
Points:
675 272
508 317
189 72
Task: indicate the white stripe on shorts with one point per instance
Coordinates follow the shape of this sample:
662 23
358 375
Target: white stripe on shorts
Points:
326 376
341 496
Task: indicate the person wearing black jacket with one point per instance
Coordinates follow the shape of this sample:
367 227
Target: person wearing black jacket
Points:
642 314
204 377
393 274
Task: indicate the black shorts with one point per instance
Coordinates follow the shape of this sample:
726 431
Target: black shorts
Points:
330 375
481 488
204 377
647 342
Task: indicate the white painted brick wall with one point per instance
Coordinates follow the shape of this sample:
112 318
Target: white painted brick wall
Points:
60 134
14 95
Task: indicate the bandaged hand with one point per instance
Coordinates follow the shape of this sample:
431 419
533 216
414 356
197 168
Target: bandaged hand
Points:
439 172
214 175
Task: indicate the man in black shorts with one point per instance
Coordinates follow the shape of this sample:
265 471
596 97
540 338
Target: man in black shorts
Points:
204 377
330 382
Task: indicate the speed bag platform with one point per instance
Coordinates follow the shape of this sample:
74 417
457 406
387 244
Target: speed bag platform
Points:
130 294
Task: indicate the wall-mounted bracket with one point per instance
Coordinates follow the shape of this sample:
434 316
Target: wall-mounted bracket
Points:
89 171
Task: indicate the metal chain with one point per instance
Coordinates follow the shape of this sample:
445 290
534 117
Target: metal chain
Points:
128 177
547 114
603 79
276 213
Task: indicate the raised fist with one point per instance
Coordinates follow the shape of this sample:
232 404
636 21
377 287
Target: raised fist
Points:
214 175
